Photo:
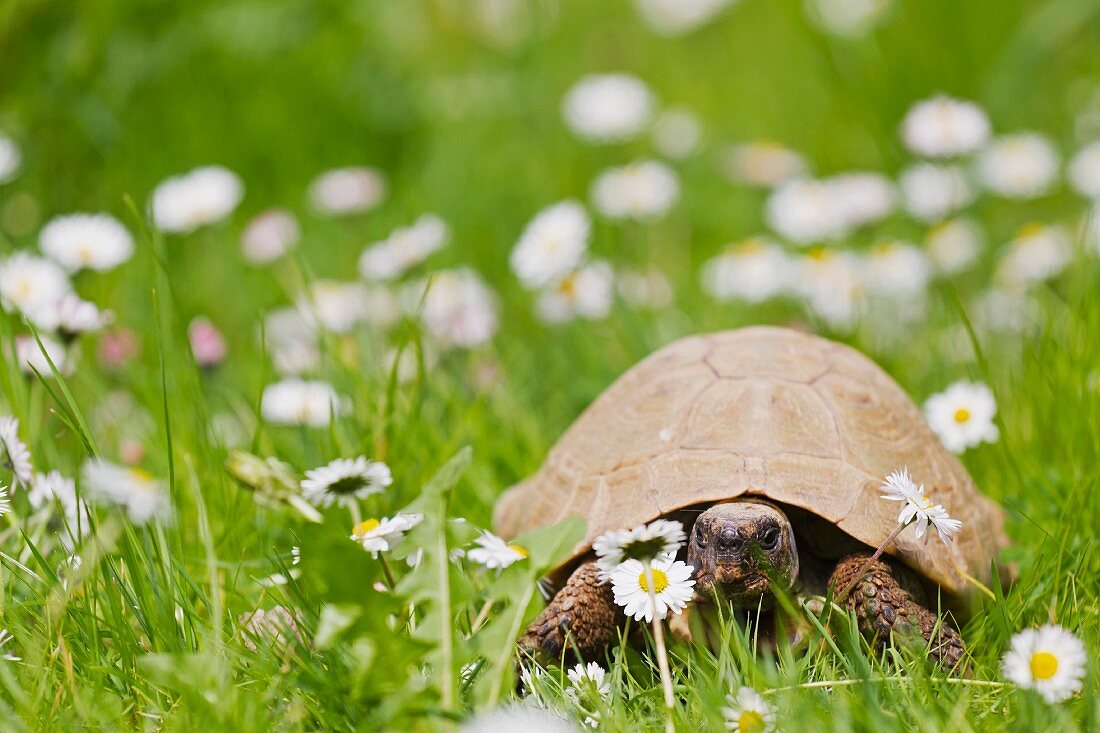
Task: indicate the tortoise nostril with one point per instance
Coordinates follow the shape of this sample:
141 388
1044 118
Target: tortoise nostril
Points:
728 540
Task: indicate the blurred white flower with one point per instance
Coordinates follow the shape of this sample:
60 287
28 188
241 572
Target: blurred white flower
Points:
47 488
493 552
29 283
1038 252
347 191
586 292
459 309
755 270
69 316
10 159
648 288
403 249
953 245
677 133
93 241
660 538
641 190
345 481
831 284
943 127
16 455
334 306
292 341
1049 660
5 639
677 17
1020 166
932 192
1006 312
202 196
269 236
384 535
526 717
30 356
300 402
552 244
607 108
806 211
847 18
1084 170
896 270
962 416
863 198
763 163
748 712
142 496
672 587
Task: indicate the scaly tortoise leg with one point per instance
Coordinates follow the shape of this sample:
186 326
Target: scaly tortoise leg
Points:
580 620
884 608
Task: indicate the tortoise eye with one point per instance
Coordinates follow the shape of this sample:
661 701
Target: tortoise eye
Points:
771 538
700 540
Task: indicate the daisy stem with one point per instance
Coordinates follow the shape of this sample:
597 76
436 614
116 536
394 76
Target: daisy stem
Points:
390 582
356 515
870 561
662 651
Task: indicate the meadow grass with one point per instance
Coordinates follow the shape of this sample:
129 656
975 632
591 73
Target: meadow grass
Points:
145 634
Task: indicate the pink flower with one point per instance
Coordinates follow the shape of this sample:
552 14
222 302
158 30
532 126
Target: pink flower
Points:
117 347
207 342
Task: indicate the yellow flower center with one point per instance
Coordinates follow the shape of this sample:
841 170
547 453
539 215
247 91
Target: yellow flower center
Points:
1030 230
750 722
518 550
366 527
568 286
660 580
1043 665
821 254
962 415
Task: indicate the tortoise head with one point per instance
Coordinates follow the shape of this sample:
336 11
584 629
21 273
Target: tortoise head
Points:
740 549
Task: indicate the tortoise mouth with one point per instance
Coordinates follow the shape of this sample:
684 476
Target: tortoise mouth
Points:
754 583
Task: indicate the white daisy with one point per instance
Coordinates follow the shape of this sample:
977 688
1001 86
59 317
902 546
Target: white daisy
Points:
763 163
10 159
345 481
754 270
269 236
552 244
953 245
648 288
47 488
202 196
70 316
943 127
864 198
1020 166
5 639
17 457
847 18
142 496
493 552
1038 252
30 284
1007 312
831 283
524 716
962 416
1049 660
672 589
748 712
93 241
344 191
641 190
896 270
677 133
335 306
292 340
899 486
403 249
274 627
932 192
384 535
607 108
585 679
300 402
585 292
1084 170
458 309
662 537
677 17
806 211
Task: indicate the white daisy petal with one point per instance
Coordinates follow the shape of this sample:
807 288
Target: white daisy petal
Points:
345 481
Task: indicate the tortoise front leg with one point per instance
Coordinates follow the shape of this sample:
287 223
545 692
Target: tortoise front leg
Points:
884 608
580 620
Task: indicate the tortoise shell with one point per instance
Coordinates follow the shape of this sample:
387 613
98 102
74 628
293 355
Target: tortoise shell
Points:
770 412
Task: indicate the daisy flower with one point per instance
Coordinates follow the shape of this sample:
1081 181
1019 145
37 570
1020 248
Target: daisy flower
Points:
953 245
677 17
523 716
202 196
748 712
847 18
1084 171
641 190
1038 252
943 127
588 678
47 488
16 455
763 163
806 211
677 133
92 241
896 270
662 537
30 356
1049 660
70 316
899 486
458 309
5 639
1020 166
586 292
5 501
269 236
29 283
335 306
10 159
673 587
607 108
383 535
552 244
345 481
962 415
403 249
142 496
864 198
754 270
292 341
343 191
274 627
300 402
932 192
648 288
494 552
831 283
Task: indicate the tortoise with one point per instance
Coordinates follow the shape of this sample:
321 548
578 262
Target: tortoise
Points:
770 445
